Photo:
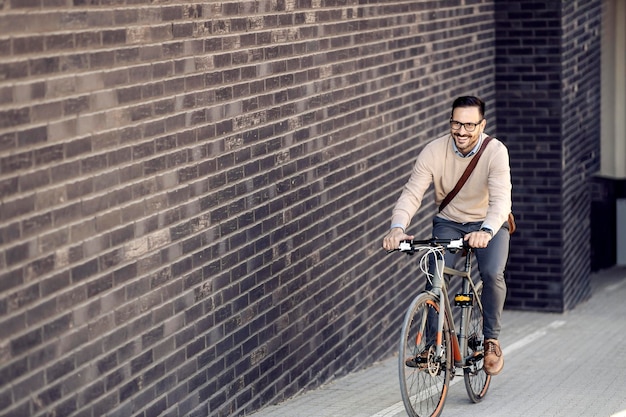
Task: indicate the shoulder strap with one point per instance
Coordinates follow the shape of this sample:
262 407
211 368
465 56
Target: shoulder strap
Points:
465 175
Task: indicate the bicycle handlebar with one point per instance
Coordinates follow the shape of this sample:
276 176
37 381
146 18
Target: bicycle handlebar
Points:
411 246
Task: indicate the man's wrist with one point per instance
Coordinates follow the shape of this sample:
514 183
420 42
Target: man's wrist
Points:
397 226
488 230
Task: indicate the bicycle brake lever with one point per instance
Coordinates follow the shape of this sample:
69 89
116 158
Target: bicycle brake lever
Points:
405 246
456 244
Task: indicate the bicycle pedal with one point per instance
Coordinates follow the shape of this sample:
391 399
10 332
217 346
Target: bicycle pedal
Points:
477 357
464 300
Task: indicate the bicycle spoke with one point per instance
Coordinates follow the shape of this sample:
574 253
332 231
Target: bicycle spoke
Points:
423 376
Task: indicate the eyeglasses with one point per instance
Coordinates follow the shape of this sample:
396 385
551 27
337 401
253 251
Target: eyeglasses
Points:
470 127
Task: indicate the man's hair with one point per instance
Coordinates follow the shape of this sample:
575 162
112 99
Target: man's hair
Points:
469 101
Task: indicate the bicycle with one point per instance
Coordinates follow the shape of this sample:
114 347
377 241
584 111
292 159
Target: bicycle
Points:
430 350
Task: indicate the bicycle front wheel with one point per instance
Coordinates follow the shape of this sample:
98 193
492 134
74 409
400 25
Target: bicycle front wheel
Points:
476 379
424 376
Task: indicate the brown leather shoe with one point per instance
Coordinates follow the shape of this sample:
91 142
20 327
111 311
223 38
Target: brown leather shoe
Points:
420 360
494 359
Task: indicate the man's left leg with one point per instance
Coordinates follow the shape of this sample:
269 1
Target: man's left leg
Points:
491 264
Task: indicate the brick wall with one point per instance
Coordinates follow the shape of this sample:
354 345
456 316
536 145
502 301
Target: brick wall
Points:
581 141
548 75
193 194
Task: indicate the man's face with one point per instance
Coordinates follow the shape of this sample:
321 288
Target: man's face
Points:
464 140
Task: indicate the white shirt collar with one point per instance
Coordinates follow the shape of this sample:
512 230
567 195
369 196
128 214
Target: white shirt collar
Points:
473 151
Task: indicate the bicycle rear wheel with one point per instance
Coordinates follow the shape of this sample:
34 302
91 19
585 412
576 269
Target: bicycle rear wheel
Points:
424 378
476 379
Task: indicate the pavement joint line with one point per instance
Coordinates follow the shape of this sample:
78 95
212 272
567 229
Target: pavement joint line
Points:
532 337
398 407
611 288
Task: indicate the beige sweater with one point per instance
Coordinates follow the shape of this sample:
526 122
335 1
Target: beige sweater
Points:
485 197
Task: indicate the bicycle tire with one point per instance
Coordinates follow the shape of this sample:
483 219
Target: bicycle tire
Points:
476 379
424 388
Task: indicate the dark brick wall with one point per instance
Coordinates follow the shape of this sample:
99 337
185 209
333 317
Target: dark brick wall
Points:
581 141
547 82
193 194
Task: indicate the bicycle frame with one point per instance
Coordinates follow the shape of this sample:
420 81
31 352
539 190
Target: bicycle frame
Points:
440 290
459 342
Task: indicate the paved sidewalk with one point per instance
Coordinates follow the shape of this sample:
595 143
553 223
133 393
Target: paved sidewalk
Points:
571 364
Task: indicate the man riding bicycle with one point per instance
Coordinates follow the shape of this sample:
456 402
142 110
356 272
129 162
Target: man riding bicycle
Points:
478 212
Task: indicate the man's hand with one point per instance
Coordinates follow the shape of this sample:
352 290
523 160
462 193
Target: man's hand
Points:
478 239
393 238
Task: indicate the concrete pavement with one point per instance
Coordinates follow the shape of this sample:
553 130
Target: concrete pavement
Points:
571 364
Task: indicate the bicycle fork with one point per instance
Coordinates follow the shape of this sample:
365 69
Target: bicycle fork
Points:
444 307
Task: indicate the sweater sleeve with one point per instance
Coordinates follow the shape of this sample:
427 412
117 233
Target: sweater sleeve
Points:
412 194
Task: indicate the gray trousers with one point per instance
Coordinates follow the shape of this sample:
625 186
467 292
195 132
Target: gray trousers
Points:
491 264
